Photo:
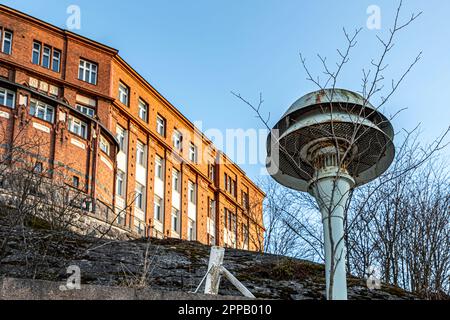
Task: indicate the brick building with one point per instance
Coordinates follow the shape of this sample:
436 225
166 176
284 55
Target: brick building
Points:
122 143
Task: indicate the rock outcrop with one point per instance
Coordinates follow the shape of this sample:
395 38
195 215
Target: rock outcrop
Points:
170 265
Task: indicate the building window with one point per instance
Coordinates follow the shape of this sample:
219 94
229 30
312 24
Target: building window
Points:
140 197
193 153
7 98
191 230
122 138
230 185
36 56
104 145
176 220
177 140
120 183
87 72
245 200
46 57
86 110
143 110
161 126
51 58
212 210
124 92
140 154
157 209
159 168
42 111
75 182
38 167
245 235
6 41
192 192
176 180
56 61
78 127
212 172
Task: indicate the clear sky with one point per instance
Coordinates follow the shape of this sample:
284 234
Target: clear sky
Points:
195 52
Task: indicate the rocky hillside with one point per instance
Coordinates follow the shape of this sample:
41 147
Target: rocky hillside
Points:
173 265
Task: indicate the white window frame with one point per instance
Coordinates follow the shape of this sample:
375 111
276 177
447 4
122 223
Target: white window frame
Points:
140 154
192 192
192 230
78 127
56 60
140 197
177 140
85 110
161 126
46 54
176 180
120 184
7 39
176 223
104 145
158 209
143 110
121 135
193 154
44 109
88 71
124 93
4 94
36 51
159 168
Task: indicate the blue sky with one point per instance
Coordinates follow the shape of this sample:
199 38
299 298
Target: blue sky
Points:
196 52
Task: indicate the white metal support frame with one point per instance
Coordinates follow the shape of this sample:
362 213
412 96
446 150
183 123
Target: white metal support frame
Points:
215 272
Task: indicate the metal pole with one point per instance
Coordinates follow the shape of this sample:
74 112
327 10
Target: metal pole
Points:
242 289
331 189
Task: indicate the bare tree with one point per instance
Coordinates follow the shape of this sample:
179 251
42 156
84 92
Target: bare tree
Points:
372 87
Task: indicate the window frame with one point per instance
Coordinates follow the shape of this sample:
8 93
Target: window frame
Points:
176 186
192 192
147 107
81 124
176 226
141 154
161 125
158 202
192 225
5 92
159 168
89 66
140 198
36 51
58 59
3 33
38 106
46 53
80 107
75 182
104 142
177 144
124 91
120 188
121 135
193 153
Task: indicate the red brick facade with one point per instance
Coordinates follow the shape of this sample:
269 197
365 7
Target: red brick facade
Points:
78 121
